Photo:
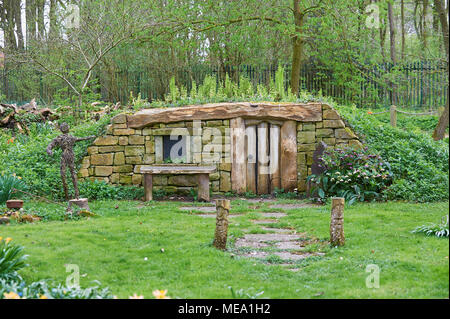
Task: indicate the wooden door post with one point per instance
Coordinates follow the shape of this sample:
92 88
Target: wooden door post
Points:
337 237
222 211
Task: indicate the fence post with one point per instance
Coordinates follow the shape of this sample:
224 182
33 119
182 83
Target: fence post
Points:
337 237
393 111
222 211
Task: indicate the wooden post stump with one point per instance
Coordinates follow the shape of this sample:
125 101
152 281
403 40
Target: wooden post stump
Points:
148 187
337 237
80 202
393 111
222 211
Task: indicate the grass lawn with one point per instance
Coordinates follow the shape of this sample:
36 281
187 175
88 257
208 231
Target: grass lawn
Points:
122 249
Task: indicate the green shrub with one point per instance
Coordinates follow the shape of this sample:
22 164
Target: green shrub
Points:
418 163
438 230
8 185
102 190
356 175
12 259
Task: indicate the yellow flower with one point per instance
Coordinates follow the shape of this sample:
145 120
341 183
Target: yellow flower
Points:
43 297
135 296
1 238
8 239
19 177
160 294
11 295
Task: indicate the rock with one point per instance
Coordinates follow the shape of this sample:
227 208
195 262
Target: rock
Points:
103 170
106 140
4 220
102 159
306 137
344 133
79 202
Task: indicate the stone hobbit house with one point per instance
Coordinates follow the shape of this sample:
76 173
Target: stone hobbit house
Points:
248 138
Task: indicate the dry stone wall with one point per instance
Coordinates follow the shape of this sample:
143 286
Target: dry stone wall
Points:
117 156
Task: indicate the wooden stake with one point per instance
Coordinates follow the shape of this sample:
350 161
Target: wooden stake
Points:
337 237
393 111
222 211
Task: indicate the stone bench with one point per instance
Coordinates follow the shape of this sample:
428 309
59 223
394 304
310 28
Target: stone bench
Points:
201 171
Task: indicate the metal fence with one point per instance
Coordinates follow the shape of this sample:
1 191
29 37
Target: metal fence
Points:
422 84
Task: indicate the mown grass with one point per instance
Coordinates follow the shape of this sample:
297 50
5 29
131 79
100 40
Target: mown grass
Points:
122 249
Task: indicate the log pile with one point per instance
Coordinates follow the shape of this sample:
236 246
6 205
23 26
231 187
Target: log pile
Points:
18 117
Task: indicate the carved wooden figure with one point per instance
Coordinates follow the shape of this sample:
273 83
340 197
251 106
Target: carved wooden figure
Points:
66 142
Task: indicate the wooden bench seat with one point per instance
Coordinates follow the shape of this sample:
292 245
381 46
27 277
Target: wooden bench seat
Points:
201 171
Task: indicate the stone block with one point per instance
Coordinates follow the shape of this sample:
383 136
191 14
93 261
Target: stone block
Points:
136 179
114 178
306 137
119 119
102 159
355 144
125 179
103 170
106 140
123 169
134 150
92 150
86 162
183 180
344 133
148 159
325 132
83 172
123 140
331 115
333 123
124 131
309 127
330 141
149 147
119 158
306 147
133 159
136 139
106 149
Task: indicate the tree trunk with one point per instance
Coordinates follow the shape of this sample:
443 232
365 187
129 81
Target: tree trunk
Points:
391 32
52 17
40 19
18 22
297 49
402 18
439 131
30 21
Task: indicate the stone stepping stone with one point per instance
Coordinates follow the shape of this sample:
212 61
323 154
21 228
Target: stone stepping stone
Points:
274 215
260 200
206 209
278 230
242 243
265 221
213 215
284 255
270 237
295 206
289 245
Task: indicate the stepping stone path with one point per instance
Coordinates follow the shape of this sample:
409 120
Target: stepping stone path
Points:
294 206
285 243
205 209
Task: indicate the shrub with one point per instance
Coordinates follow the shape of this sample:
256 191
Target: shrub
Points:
102 190
356 175
419 164
8 183
438 230
12 260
